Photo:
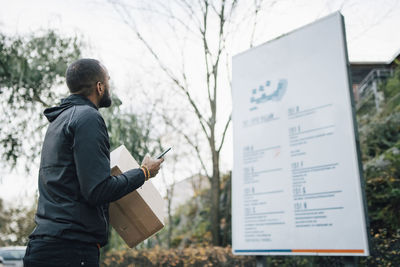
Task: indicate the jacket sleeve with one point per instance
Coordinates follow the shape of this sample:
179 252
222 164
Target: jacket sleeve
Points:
91 151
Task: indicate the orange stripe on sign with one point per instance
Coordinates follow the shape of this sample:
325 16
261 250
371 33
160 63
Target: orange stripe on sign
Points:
329 250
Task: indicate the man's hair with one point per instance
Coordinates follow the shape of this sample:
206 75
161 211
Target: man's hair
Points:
83 74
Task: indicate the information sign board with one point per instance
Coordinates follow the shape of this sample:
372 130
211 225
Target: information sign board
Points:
296 187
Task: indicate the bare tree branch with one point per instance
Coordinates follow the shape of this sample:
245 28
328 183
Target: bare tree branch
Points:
190 12
213 22
189 141
37 98
224 133
206 51
257 8
163 67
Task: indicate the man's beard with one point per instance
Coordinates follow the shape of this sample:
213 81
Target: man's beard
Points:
105 101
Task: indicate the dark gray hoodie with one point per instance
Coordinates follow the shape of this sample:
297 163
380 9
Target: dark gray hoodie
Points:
75 185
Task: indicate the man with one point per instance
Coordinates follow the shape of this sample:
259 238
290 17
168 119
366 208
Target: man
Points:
75 184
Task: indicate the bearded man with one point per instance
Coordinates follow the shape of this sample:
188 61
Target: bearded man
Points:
75 182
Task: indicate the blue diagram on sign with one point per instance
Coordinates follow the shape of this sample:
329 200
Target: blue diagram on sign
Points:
259 95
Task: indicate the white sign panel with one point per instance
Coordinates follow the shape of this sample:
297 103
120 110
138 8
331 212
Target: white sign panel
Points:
296 179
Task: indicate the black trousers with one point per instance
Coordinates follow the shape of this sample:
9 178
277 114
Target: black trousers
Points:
51 252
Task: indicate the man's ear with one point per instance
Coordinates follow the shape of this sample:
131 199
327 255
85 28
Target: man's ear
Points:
99 89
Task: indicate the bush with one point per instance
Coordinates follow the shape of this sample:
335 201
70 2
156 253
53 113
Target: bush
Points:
392 86
194 256
379 135
385 251
383 190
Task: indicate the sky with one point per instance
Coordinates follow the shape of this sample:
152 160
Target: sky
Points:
371 27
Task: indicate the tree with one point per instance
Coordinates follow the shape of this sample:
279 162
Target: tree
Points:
31 68
125 128
205 29
3 217
169 198
16 223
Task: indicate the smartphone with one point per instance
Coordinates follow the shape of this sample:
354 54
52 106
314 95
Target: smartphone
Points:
163 153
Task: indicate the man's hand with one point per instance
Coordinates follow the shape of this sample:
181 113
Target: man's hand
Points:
153 165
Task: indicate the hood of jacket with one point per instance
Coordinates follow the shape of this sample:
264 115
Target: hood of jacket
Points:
72 100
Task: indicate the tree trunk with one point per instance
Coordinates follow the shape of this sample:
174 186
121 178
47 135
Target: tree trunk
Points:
169 223
226 240
215 193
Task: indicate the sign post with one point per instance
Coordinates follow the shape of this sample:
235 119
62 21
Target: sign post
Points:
297 178
261 261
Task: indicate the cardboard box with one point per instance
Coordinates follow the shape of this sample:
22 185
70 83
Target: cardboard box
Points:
140 214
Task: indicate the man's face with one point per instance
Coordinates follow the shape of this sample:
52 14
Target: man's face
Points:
106 101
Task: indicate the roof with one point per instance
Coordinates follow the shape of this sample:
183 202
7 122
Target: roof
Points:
387 62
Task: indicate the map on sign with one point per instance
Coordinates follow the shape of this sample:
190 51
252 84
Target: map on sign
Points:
296 182
262 94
